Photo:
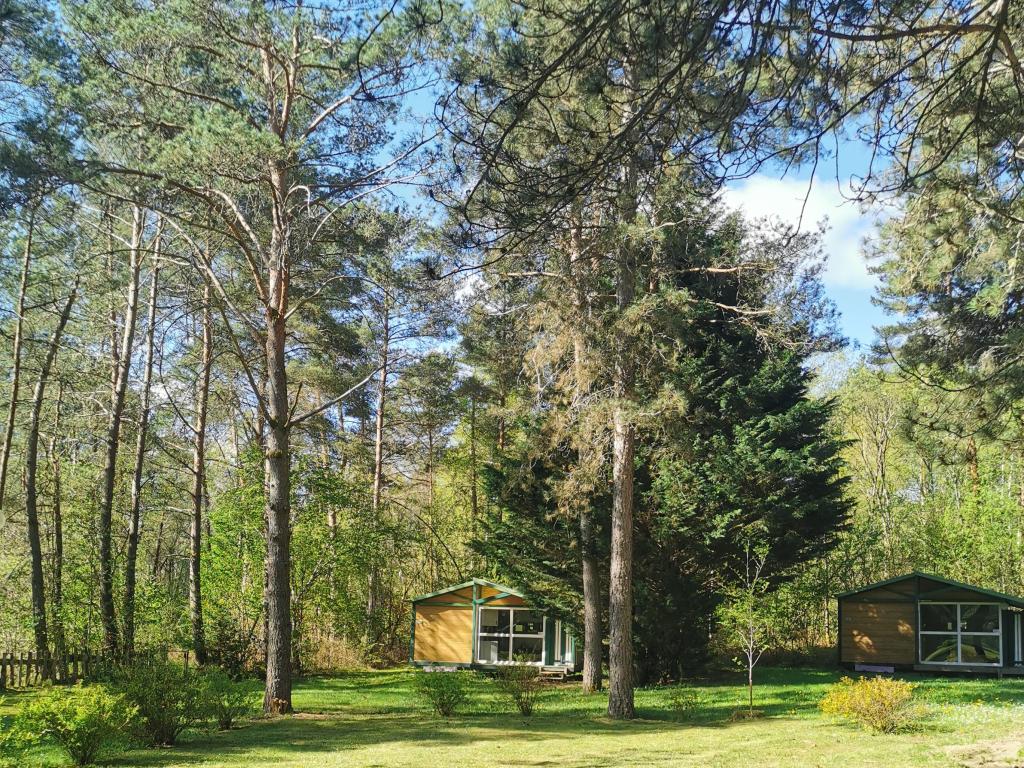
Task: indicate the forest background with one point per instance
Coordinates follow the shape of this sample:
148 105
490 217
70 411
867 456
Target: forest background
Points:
308 310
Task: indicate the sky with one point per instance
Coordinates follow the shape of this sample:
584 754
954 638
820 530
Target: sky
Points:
846 277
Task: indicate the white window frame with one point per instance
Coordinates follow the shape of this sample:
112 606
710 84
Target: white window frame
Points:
1017 646
511 635
563 648
959 633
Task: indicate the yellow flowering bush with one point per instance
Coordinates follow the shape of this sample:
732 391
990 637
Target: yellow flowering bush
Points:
880 704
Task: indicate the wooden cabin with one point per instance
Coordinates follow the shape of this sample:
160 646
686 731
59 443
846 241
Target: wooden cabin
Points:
481 625
929 623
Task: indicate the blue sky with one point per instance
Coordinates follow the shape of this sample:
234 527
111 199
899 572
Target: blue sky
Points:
846 277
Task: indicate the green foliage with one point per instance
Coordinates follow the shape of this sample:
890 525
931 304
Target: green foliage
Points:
880 704
233 600
738 440
744 614
168 698
226 700
445 691
687 703
520 682
82 721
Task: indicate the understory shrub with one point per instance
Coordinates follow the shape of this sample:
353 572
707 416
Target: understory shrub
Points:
445 691
880 704
82 720
230 647
521 682
226 700
168 698
686 703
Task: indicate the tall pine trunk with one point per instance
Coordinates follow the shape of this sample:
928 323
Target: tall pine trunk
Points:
195 593
474 511
31 490
593 633
19 327
373 586
277 697
620 582
57 609
135 515
113 437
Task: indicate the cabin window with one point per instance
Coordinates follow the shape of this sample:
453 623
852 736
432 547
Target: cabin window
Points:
960 633
505 635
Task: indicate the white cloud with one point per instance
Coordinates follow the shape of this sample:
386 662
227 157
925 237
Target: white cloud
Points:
848 226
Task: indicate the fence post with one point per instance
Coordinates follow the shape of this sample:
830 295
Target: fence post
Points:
23 669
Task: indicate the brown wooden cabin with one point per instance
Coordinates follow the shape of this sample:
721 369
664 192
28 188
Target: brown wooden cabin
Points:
482 625
929 623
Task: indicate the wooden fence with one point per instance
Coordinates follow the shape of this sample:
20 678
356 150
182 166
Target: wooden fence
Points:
24 670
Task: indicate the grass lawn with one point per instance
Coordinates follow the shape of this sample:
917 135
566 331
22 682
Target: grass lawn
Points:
375 719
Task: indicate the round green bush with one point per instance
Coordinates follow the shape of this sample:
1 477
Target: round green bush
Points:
82 720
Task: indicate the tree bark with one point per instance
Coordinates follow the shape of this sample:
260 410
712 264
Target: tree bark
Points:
620 583
593 632
113 437
972 467
297 627
31 491
373 586
57 610
277 698
157 550
473 501
19 327
195 594
620 590
135 516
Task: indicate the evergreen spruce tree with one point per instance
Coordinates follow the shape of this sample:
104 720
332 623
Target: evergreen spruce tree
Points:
729 438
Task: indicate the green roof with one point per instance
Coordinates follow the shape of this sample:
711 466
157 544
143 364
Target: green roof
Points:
470 583
1015 601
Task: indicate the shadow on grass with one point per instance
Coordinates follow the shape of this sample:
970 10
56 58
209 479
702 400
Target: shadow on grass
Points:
339 715
265 742
359 710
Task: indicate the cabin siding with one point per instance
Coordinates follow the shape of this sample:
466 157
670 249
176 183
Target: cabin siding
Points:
444 624
505 602
899 591
443 634
878 624
878 632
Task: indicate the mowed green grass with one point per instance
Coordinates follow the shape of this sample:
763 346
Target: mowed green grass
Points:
376 719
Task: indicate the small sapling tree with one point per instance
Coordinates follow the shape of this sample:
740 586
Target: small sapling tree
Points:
744 616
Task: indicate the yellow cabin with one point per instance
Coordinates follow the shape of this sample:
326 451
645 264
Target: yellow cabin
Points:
481 625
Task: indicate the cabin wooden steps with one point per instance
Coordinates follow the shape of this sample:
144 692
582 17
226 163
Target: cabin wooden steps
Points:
553 673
